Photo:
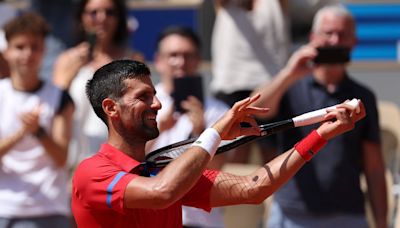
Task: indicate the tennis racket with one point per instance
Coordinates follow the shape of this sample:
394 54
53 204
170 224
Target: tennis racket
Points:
162 156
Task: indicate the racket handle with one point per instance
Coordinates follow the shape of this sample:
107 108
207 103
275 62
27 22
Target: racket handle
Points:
318 115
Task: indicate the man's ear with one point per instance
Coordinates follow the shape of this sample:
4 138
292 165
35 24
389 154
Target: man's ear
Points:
110 108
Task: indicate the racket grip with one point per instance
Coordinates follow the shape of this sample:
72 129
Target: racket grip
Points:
318 115
310 118
355 103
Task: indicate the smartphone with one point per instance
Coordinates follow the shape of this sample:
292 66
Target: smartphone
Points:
332 55
91 39
187 86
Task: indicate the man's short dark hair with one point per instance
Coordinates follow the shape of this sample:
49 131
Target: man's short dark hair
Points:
26 23
108 82
181 31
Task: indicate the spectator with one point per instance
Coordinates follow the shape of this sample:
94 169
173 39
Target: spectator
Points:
178 55
250 43
108 190
35 126
103 24
326 192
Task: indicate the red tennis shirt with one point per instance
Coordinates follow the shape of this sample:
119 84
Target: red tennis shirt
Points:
98 188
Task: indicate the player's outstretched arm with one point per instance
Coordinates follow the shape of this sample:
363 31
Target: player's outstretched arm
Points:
179 176
229 189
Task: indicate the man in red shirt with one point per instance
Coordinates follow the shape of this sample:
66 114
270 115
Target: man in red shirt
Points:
109 190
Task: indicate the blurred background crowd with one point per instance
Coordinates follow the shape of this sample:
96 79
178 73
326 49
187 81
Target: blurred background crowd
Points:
233 45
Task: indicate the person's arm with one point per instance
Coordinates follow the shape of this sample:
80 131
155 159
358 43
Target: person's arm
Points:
273 91
29 125
230 189
68 63
7 143
179 176
195 112
374 170
56 144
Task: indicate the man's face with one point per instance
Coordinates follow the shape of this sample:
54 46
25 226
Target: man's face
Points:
334 31
138 110
177 57
24 53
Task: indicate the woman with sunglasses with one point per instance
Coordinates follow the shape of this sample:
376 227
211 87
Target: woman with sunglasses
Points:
102 37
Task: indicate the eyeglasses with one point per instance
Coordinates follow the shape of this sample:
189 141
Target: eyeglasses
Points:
95 12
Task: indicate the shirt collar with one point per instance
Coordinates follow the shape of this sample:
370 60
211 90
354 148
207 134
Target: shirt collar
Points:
343 86
118 157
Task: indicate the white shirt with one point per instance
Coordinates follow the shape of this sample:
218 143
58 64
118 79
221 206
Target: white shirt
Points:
30 183
248 47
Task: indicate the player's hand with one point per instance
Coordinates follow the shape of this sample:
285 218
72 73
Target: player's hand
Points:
341 119
229 126
195 112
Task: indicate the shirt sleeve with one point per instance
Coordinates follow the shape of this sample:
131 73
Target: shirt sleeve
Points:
101 190
199 195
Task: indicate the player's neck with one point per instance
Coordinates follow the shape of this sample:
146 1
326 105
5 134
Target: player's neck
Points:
134 150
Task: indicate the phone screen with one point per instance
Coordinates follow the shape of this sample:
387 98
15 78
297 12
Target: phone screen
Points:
187 86
332 55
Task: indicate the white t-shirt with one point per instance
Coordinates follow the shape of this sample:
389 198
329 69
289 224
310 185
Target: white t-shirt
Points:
30 183
248 47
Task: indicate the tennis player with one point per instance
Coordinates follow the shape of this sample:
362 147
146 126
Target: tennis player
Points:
111 188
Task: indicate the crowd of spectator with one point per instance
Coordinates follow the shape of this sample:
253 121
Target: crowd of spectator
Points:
48 126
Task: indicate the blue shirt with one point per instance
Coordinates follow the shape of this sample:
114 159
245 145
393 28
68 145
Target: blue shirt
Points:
329 183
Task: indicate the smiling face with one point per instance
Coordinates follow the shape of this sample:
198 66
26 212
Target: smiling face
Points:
100 17
332 27
177 57
334 30
24 53
137 110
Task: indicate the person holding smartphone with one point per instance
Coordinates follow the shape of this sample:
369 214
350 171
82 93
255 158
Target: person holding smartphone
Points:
326 192
178 60
102 37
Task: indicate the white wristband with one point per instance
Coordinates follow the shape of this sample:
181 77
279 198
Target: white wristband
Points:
208 140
